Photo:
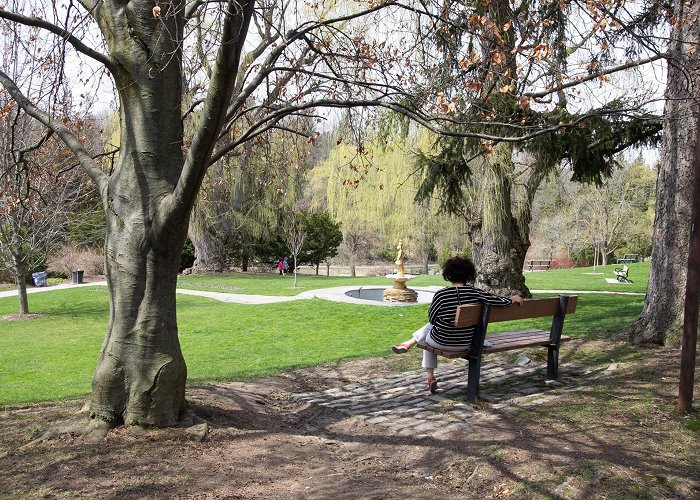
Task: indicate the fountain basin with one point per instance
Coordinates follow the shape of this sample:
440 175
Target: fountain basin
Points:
376 294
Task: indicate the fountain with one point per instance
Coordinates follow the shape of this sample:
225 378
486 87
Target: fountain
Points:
399 292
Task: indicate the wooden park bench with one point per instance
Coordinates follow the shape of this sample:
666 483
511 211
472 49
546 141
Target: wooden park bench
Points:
480 316
539 264
627 258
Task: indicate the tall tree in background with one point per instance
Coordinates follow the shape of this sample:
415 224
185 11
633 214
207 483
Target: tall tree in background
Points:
506 52
242 197
371 192
294 233
322 240
38 193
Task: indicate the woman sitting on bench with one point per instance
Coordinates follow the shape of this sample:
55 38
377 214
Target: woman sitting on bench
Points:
440 332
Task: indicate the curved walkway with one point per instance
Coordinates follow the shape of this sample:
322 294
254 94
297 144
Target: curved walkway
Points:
335 294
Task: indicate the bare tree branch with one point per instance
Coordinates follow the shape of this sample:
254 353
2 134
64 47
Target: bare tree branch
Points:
73 143
110 63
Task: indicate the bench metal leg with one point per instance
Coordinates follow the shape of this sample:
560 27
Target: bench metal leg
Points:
473 379
552 362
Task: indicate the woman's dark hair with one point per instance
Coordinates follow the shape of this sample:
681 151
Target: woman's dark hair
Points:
459 270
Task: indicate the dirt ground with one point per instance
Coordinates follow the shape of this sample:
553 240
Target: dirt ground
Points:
615 437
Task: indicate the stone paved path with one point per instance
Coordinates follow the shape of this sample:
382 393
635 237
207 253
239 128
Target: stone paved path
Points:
403 405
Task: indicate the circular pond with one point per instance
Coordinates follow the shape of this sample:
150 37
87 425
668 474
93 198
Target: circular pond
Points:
374 294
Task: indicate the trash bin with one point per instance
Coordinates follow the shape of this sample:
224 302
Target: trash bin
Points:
77 277
39 279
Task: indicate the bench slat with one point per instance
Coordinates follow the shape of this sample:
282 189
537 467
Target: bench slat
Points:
468 315
494 339
532 342
516 333
505 341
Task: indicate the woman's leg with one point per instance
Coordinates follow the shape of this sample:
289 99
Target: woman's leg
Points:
430 362
422 333
418 337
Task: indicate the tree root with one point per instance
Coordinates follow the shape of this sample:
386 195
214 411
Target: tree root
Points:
93 431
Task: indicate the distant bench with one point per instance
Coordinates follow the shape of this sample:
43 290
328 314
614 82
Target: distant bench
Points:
481 315
539 264
627 258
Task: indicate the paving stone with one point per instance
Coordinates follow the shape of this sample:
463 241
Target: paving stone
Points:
376 420
401 404
426 427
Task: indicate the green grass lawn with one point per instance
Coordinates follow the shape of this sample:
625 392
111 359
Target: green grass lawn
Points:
273 284
584 278
54 356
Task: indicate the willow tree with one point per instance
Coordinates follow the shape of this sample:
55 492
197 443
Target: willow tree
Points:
371 192
242 198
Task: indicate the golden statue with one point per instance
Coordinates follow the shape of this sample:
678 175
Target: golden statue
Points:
399 259
399 292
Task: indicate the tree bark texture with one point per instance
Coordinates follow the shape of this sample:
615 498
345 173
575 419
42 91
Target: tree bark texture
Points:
140 377
213 221
21 277
498 228
662 316
209 253
692 297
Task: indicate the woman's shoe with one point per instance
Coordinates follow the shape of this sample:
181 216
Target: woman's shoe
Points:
432 384
400 348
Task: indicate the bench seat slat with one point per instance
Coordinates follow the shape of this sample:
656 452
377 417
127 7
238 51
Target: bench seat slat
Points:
517 336
516 333
506 341
519 344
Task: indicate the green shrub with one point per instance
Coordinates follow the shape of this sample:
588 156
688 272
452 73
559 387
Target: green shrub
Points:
53 281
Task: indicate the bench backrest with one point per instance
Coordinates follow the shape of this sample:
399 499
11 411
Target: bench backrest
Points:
469 315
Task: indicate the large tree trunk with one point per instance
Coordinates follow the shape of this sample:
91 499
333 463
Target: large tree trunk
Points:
140 377
209 252
661 319
499 237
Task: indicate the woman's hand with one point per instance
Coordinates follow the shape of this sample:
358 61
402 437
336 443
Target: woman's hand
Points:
516 299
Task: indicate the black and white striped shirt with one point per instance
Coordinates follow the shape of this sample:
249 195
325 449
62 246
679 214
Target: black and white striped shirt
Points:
444 307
